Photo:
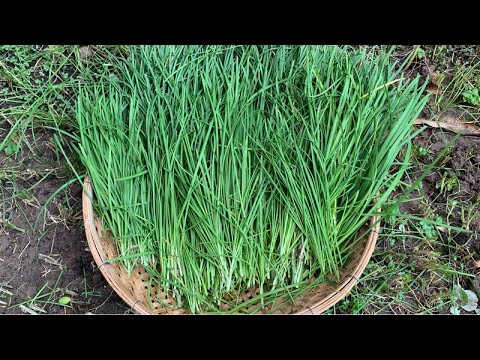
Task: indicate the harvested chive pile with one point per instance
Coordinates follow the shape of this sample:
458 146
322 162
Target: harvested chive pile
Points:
220 168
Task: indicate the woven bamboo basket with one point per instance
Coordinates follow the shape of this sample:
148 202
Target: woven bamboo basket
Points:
134 288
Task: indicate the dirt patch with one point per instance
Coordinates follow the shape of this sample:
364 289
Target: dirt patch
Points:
51 261
454 191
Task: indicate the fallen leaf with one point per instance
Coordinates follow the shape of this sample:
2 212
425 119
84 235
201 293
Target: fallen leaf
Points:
477 263
465 127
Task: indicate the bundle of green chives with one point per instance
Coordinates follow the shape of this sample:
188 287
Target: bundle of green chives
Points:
221 168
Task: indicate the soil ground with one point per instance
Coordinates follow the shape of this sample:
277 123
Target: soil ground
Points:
47 264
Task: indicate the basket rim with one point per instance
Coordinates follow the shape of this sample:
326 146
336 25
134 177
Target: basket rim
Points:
106 269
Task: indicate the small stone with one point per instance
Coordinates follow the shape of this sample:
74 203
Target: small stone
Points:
85 52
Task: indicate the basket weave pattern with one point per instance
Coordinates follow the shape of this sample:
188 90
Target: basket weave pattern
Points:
134 288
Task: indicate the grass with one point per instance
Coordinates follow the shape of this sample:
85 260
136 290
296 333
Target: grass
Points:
413 271
456 79
30 112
